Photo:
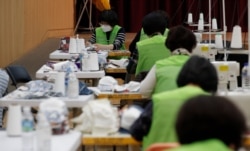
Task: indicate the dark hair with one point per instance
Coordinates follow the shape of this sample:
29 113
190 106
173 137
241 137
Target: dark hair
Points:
165 15
109 16
210 117
154 22
199 71
180 37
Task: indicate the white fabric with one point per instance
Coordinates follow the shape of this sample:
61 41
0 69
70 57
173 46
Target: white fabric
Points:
129 116
132 86
120 62
98 117
107 83
148 84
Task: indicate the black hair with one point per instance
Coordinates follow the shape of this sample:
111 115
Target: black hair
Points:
165 15
180 37
154 22
109 16
199 71
210 117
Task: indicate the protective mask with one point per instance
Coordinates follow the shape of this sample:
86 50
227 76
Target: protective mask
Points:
106 28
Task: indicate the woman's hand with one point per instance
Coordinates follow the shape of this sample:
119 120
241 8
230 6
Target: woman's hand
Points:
99 47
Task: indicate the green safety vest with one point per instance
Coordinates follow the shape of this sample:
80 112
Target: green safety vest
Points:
167 71
165 109
101 36
149 51
143 35
207 145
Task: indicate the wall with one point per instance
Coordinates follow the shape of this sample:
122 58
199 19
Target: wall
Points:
25 24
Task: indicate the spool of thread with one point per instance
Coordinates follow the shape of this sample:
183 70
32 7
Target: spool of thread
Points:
214 24
80 45
236 41
190 17
218 41
201 25
72 45
198 37
201 16
14 120
60 83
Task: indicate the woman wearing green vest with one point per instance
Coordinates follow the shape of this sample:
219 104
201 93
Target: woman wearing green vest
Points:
198 76
141 35
109 36
162 76
210 123
153 48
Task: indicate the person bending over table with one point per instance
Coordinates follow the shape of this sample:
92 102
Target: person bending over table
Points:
109 36
162 76
153 48
141 35
209 123
156 123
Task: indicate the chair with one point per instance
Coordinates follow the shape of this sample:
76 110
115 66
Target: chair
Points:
18 74
161 146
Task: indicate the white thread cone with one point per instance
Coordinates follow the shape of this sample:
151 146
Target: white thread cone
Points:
236 41
201 25
214 24
201 16
72 45
190 17
218 41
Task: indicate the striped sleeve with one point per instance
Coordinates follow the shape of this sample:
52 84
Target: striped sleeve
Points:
4 81
120 39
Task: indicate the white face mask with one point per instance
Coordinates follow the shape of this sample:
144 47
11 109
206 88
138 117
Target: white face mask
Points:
106 28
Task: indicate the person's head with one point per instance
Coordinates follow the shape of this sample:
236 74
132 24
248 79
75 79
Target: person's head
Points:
210 117
108 18
153 23
165 15
198 71
180 37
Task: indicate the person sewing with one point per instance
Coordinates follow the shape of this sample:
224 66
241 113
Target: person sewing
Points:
156 123
153 48
162 76
209 123
109 36
141 35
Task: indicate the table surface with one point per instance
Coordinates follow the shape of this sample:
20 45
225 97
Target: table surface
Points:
116 95
58 54
79 74
114 139
70 102
66 142
237 52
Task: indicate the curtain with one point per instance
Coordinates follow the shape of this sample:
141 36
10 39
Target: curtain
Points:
131 12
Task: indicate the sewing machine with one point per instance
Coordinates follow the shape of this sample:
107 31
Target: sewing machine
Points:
206 50
227 74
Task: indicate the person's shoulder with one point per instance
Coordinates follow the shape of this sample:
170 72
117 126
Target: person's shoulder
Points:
121 29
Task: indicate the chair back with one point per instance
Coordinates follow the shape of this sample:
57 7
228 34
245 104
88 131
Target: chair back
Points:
18 74
162 146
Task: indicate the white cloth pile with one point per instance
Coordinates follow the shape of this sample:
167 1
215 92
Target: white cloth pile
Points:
98 117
